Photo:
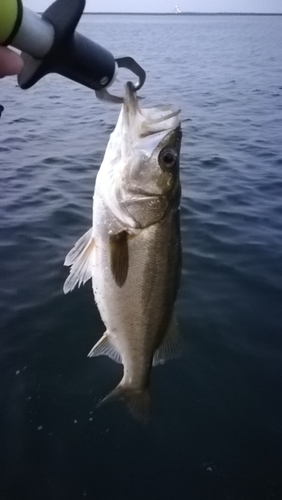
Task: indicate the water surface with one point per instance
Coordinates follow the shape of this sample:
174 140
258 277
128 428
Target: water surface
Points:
216 430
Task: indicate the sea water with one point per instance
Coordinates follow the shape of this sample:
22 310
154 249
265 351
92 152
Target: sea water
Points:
216 429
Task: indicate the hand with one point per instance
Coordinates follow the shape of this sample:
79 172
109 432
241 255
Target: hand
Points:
10 62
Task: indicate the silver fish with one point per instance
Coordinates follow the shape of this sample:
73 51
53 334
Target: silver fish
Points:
133 251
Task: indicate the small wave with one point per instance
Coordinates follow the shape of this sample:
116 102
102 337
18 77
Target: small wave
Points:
214 162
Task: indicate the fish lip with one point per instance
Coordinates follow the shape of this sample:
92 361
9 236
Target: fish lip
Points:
130 97
132 111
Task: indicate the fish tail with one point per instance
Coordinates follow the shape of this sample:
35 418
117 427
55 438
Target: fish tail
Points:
136 400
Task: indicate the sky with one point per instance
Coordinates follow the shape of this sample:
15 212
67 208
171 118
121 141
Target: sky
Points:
262 6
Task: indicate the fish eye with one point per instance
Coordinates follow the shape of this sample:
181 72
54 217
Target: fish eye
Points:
167 158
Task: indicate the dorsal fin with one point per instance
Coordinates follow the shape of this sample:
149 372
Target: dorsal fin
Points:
80 259
119 257
172 345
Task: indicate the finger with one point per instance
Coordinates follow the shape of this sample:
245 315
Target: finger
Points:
11 63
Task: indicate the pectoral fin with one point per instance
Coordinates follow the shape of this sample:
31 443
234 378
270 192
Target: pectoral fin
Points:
119 257
172 345
80 259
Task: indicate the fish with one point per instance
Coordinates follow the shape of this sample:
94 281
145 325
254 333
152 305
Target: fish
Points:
132 252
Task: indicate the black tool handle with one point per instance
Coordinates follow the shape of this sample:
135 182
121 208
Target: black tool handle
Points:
72 54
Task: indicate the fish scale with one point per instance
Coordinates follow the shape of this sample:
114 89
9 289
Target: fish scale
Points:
133 251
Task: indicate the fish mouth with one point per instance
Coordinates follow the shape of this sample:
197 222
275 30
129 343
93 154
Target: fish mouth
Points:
153 117
130 98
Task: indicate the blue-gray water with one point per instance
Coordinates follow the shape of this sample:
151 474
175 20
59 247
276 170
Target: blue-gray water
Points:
216 432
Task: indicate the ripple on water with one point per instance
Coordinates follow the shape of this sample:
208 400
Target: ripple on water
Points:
225 410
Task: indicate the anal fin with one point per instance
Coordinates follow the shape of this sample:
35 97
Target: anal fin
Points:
80 259
104 347
172 345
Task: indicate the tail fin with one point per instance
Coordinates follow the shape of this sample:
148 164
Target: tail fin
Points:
136 400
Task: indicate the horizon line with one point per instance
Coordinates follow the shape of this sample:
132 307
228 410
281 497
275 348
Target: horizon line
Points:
190 13
182 13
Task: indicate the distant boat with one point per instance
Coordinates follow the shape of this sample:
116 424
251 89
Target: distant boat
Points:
177 10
